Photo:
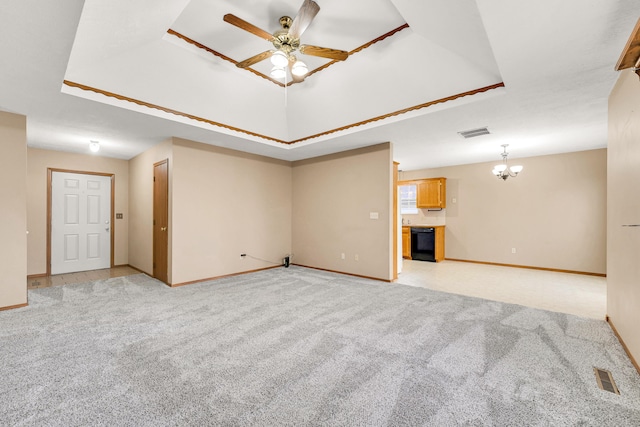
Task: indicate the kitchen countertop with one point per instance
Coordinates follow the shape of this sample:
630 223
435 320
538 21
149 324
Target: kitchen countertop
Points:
421 226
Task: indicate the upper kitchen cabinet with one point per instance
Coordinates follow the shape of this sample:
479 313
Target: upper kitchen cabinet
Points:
432 193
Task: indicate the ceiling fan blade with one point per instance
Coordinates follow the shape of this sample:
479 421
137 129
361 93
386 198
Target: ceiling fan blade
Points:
255 59
244 25
307 12
324 52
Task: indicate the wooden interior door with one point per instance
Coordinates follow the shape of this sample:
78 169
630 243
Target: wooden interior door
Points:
161 220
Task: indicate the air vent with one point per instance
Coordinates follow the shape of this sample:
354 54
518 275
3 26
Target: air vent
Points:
474 132
605 380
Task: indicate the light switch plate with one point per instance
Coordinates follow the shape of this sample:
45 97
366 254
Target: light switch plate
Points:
373 215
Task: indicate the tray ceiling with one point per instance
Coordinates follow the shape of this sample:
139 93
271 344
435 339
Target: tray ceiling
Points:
180 57
133 79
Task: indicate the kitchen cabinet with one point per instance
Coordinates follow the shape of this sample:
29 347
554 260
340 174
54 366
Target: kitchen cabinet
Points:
432 193
406 242
439 241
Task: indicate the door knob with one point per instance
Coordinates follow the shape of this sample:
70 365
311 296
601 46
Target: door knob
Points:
107 229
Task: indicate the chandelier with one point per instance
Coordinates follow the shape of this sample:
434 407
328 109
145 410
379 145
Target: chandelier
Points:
503 171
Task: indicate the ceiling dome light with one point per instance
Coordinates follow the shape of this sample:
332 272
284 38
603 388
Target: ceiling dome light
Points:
299 68
278 72
94 146
279 59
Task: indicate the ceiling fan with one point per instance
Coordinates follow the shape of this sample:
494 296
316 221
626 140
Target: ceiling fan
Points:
286 41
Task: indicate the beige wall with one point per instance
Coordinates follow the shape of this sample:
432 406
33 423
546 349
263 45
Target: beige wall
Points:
225 203
13 210
623 244
38 161
141 206
332 199
553 213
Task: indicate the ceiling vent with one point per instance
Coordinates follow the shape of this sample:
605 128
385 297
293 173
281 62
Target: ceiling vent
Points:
474 132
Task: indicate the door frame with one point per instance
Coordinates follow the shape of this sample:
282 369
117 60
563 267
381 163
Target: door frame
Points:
49 195
394 221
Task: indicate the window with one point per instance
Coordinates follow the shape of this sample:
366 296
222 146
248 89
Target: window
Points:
408 195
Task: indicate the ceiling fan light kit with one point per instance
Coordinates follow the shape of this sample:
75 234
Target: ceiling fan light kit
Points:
278 72
286 40
299 68
279 59
503 171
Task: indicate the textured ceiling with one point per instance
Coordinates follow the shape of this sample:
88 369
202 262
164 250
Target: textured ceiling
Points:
136 77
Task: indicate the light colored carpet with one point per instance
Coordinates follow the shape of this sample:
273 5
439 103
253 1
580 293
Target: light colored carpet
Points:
298 347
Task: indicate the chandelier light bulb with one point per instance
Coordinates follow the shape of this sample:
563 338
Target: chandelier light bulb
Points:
278 72
516 169
94 146
299 68
279 59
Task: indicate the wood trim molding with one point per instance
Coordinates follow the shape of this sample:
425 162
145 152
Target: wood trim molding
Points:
113 209
342 272
556 270
630 56
358 49
272 80
166 110
11 307
221 56
175 285
404 111
247 132
624 346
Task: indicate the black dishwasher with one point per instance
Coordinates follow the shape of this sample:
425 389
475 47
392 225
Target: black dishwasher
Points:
423 244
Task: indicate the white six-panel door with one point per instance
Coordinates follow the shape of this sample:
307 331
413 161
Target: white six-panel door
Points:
80 222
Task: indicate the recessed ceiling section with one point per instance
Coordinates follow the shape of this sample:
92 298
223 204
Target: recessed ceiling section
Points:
339 25
122 57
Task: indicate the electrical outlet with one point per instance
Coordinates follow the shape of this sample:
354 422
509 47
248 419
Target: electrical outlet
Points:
356 257
342 255
513 250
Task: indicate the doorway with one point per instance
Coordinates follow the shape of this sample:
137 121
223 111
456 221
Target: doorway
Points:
80 221
161 220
